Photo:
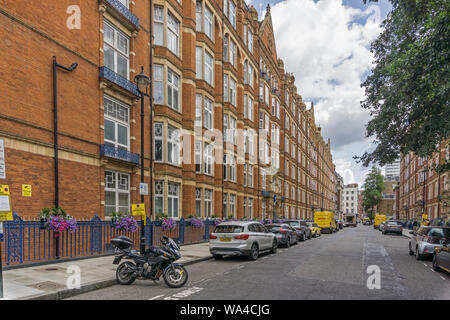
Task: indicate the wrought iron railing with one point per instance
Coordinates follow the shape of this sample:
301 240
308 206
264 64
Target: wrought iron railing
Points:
117 79
117 153
124 11
28 242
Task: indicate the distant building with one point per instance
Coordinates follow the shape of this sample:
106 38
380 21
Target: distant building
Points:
392 171
387 203
349 199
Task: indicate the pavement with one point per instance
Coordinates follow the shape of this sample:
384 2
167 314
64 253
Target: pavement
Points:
57 281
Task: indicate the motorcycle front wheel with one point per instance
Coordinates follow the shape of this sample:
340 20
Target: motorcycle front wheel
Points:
125 273
175 277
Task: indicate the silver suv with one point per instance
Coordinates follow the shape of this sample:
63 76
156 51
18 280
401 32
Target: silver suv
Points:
244 238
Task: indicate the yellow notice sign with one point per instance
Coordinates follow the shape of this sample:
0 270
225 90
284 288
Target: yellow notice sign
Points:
26 190
5 203
139 210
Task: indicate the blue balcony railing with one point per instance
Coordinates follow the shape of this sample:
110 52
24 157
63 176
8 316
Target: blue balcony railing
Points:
120 154
117 79
120 8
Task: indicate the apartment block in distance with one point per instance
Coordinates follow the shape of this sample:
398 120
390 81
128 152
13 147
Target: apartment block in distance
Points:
229 136
422 190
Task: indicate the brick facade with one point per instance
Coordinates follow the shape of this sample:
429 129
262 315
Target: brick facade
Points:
193 47
421 188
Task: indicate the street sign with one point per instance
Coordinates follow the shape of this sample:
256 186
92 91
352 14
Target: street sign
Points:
2 160
26 190
5 203
143 189
139 210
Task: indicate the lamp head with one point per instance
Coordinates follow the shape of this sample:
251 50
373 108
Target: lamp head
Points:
73 66
142 81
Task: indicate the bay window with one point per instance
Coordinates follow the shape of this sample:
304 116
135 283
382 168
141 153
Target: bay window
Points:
173 200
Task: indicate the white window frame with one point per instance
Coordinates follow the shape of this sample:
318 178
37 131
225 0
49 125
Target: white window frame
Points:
114 46
117 176
121 110
173 90
172 198
173 144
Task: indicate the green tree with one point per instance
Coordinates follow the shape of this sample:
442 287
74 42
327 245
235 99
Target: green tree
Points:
372 194
407 92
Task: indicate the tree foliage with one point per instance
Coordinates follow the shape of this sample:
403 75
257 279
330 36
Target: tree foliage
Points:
407 92
373 191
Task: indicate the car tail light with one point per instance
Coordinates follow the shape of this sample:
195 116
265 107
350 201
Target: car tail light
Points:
242 237
212 237
283 230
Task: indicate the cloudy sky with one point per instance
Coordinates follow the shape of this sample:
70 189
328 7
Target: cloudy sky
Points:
326 44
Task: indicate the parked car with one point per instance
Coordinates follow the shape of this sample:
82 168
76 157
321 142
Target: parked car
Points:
393 226
300 224
315 230
367 221
441 257
244 238
286 235
427 239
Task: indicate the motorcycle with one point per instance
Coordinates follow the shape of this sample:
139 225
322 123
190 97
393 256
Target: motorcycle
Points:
151 265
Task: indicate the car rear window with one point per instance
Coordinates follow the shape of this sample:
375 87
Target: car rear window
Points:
293 223
273 227
229 229
393 223
439 233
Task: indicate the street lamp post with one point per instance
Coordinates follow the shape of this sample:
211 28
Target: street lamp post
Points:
322 202
142 82
55 66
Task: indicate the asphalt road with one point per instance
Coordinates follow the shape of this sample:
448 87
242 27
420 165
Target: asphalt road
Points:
333 266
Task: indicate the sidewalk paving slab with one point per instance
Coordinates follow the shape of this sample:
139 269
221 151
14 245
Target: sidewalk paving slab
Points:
49 282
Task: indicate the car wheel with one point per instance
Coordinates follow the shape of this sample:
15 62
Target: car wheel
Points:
418 255
254 253
435 264
217 256
411 253
274 246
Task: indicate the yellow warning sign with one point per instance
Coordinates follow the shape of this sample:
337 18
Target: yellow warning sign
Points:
26 190
139 210
5 203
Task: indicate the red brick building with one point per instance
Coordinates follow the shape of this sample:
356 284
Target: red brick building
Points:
218 84
422 190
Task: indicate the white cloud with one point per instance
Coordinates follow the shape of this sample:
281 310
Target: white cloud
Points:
343 167
328 53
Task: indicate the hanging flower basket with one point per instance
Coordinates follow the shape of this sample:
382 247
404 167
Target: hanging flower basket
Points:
126 223
56 220
196 223
168 224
